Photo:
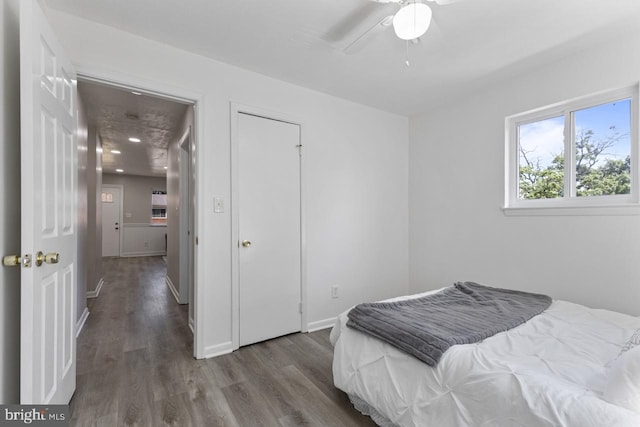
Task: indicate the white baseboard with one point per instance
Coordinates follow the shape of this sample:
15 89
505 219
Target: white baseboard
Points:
191 325
94 294
172 288
80 323
321 324
218 349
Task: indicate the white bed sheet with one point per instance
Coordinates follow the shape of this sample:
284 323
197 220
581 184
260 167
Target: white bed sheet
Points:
550 371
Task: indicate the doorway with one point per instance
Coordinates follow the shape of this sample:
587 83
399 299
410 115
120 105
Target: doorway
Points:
147 229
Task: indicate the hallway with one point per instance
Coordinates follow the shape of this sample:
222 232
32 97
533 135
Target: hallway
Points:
136 366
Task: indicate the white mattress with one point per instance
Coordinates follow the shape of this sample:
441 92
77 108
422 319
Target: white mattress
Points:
550 371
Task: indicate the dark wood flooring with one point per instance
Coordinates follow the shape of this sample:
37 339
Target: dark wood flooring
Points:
135 366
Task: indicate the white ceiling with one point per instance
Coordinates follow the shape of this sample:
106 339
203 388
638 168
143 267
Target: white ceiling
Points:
119 114
471 43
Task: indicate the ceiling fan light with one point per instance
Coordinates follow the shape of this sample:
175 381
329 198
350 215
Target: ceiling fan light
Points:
412 21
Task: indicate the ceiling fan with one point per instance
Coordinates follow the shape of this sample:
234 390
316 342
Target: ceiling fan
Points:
410 22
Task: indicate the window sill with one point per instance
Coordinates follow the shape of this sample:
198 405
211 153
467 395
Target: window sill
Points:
629 209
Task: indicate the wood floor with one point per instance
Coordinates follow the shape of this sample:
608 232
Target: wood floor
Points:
135 366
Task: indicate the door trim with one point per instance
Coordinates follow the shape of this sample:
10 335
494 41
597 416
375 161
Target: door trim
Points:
167 91
185 216
120 214
235 109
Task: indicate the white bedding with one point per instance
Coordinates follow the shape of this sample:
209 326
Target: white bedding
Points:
550 371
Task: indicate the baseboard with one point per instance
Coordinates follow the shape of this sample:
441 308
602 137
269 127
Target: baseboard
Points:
321 324
80 323
218 349
191 326
139 254
172 288
94 294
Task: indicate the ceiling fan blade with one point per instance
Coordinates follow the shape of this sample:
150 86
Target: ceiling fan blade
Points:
359 42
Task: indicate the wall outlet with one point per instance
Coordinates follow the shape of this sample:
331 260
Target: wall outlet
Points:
334 291
146 244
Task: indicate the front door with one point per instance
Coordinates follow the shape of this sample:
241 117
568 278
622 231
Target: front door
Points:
269 228
111 221
49 239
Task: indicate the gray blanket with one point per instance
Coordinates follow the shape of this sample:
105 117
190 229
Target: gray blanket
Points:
465 313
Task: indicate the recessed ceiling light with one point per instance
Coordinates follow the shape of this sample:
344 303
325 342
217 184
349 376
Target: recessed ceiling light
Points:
136 93
166 167
119 170
115 151
134 139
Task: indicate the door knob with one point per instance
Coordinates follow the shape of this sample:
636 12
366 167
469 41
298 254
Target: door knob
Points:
11 260
246 243
52 258
15 260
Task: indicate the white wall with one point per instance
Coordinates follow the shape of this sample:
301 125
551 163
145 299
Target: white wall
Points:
142 240
355 171
139 238
456 184
9 200
136 201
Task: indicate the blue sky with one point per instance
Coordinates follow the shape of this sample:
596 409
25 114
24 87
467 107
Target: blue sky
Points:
544 139
600 118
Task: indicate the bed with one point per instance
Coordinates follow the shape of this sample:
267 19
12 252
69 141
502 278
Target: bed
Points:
568 366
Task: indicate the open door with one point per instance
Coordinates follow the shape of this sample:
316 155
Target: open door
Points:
48 253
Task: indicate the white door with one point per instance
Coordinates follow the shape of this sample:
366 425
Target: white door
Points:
48 173
269 228
111 221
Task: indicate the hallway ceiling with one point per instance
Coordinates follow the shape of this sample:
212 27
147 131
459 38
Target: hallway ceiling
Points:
470 44
119 114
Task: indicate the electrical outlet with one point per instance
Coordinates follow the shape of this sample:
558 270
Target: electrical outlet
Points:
146 244
334 291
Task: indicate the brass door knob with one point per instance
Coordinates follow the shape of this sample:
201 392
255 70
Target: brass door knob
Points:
246 243
11 260
15 260
52 258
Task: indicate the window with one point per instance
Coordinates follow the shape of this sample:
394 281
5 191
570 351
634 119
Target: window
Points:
159 207
577 154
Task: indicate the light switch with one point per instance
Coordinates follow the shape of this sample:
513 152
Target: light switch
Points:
218 204
128 215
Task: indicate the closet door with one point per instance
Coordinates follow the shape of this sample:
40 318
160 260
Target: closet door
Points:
269 228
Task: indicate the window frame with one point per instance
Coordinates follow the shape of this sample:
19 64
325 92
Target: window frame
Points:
570 204
158 221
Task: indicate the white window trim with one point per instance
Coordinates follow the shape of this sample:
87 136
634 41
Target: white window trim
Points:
628 204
